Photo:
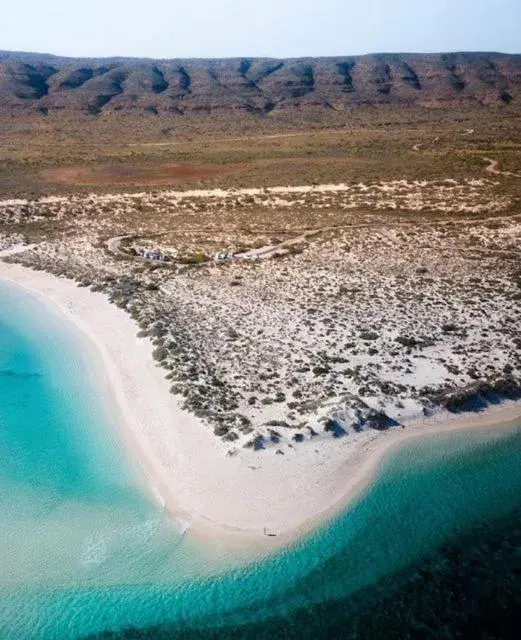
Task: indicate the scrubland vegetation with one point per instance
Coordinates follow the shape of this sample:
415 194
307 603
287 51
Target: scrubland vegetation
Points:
312 281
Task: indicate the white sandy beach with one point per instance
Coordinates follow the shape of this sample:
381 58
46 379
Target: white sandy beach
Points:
236 499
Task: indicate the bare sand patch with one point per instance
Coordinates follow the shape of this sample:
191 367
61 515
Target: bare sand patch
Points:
156 173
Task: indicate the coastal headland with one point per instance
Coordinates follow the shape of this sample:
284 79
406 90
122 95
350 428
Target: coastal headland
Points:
250 499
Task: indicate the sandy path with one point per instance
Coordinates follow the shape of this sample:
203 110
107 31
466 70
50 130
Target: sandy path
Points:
243 138
419 145
269 251
114 244
493 168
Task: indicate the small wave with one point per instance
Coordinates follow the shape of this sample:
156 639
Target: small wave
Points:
94 553
183 525
141 533
159 498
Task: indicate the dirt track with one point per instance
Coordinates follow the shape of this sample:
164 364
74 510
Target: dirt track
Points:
493 168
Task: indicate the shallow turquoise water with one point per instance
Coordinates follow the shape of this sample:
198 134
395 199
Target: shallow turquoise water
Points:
85 549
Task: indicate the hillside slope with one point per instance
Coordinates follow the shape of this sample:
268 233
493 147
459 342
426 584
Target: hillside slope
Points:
43 83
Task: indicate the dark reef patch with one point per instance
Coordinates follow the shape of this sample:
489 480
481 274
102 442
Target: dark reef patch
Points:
469 588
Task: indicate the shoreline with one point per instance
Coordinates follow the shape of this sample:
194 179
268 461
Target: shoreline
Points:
254 500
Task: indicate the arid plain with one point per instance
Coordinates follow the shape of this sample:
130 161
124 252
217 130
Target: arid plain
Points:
297 278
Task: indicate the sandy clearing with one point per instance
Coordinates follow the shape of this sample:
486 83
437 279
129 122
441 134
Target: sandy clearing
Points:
164 173
15 249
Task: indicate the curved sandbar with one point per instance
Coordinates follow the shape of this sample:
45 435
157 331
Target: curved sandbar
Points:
238 500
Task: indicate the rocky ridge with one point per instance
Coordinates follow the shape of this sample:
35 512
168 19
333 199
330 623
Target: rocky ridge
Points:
255 86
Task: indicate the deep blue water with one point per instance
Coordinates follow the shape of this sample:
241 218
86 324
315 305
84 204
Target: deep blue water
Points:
85 549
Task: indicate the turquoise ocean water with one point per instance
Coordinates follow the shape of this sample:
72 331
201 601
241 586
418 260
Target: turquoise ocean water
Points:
83 548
